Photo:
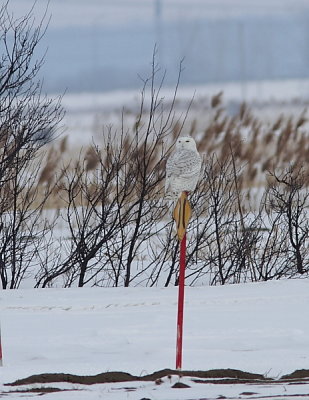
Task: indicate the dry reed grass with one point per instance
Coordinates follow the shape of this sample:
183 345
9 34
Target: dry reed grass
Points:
257 147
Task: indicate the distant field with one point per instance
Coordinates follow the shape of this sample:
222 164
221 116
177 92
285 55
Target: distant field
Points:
263 135
110 224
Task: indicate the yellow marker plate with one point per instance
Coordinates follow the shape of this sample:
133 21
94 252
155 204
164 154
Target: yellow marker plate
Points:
182 214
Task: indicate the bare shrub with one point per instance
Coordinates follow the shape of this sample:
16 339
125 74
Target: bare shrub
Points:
112 209
121 231
28 121
288 199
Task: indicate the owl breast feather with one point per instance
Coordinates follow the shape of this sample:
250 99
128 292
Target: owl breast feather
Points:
183 163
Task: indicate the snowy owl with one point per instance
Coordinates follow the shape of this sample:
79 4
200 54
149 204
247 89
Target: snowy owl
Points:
182 168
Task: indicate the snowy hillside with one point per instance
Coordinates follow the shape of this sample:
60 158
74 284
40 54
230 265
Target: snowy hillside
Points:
261 328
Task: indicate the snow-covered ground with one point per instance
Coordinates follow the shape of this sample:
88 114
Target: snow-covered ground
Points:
261 328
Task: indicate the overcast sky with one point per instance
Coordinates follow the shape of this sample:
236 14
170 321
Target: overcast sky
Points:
117 12
98 45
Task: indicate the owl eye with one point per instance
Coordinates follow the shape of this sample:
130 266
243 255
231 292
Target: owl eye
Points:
187 141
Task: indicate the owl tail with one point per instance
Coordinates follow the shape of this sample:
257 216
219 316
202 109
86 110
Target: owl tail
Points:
172 197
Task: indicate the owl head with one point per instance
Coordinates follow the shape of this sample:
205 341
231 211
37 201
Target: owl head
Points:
186 142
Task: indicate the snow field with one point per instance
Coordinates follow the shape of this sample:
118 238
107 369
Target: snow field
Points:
261 328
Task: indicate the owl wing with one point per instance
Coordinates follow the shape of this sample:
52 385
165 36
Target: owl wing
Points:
183 163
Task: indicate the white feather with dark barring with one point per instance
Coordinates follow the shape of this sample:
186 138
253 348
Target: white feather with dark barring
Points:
182 168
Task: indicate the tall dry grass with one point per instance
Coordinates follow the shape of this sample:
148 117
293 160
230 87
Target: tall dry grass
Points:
256 145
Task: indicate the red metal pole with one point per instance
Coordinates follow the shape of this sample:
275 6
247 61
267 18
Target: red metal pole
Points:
181 295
